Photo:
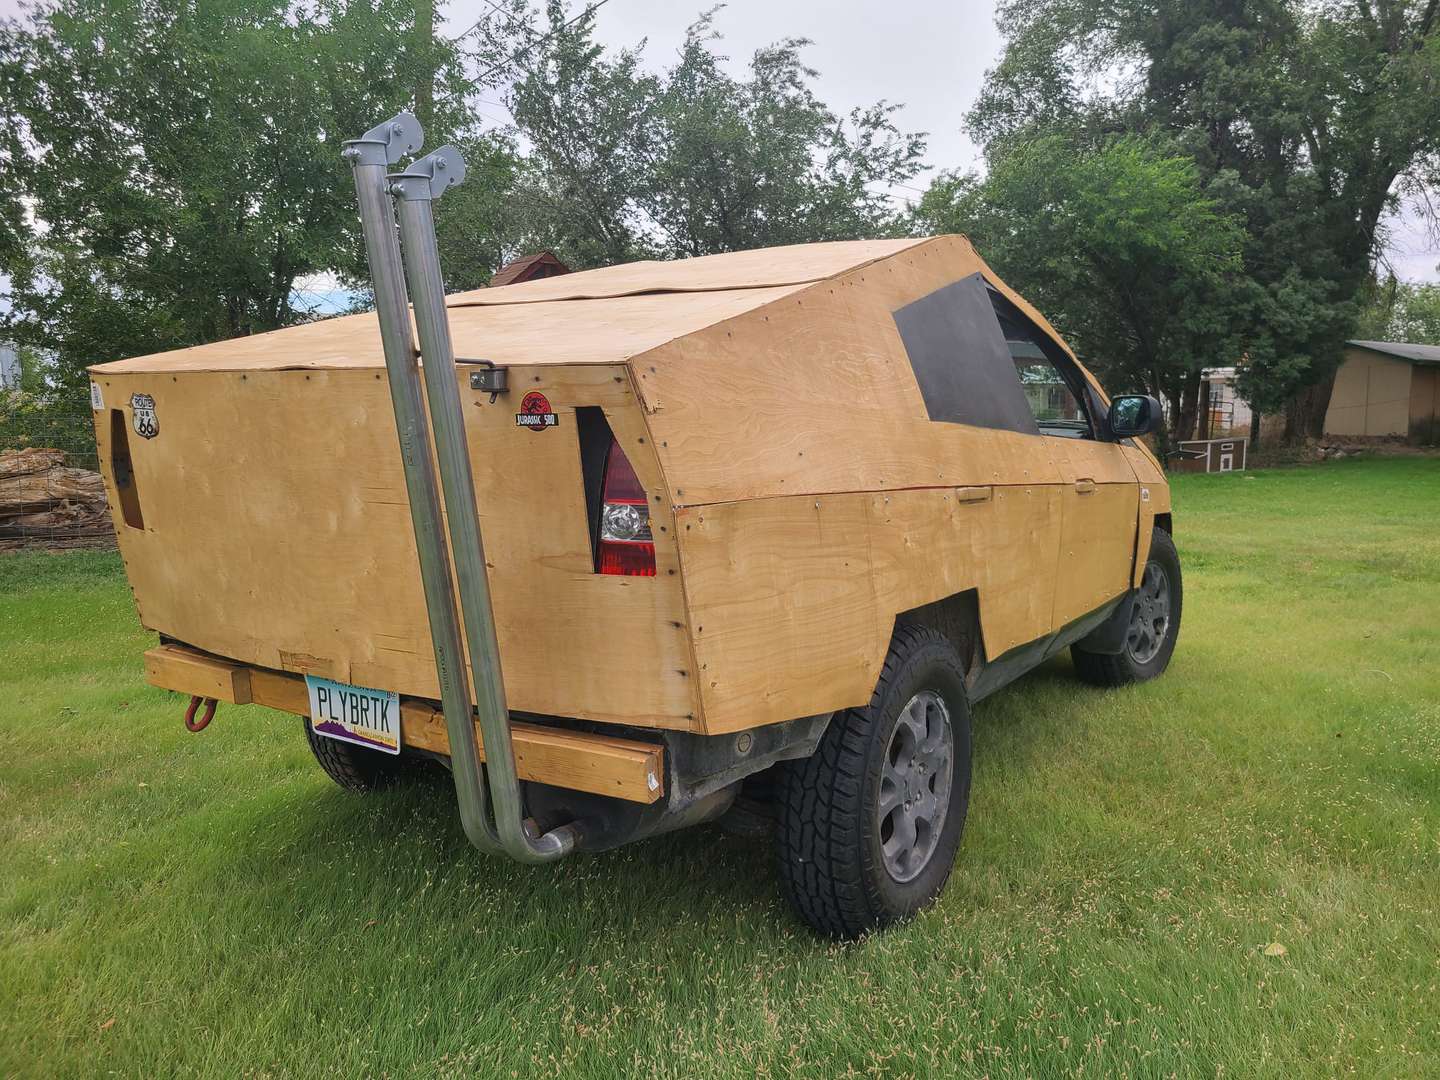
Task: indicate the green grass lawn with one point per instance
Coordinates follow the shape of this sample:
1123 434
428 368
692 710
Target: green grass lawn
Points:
211 904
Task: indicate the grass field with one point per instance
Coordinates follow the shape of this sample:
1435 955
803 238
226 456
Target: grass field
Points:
211 905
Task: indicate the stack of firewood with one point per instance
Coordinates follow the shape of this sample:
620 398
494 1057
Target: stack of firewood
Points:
45 503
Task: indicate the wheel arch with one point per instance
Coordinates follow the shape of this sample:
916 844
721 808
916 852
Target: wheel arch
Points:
957 618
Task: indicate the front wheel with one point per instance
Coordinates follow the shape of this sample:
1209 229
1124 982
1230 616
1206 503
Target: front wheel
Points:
1154 623
869 824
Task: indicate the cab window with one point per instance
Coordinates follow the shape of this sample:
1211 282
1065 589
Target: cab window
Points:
1052 386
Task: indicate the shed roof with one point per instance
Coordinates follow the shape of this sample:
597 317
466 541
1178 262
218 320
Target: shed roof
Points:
595 316
528 268
1416 354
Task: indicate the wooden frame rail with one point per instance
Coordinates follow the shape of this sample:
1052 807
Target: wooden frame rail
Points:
601 764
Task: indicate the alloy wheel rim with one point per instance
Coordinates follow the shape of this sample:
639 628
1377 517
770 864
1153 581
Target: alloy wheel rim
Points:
915 785
1149 615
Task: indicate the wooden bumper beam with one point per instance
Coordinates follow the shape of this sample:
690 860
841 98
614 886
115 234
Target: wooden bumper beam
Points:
601 764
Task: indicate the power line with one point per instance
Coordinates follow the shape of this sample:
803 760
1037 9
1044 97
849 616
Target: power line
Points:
510 19
539 41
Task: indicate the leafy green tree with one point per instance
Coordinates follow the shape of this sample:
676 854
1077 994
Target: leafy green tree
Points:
588 118
182 162
1401 311
1304 116
1122 249
693 161
490 219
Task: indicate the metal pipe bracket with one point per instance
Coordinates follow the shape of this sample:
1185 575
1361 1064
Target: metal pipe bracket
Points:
386 143
429 177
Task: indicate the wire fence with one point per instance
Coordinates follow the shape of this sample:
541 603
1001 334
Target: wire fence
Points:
51 493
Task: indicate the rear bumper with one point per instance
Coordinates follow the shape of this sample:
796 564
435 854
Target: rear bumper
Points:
597 764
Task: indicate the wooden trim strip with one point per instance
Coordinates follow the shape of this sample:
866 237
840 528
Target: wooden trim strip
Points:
600 764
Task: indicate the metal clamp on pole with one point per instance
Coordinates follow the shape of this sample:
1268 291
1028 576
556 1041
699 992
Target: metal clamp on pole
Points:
414 190
370 157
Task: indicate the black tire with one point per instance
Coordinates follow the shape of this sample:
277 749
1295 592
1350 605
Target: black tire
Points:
354 768
1136 664
833 855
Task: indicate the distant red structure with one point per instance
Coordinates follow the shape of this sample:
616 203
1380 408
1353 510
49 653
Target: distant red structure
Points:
530 268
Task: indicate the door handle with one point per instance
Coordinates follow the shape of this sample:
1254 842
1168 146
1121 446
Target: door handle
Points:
1085 487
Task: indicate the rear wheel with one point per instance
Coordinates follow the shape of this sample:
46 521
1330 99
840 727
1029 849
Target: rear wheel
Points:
354 768
1154 623
868 825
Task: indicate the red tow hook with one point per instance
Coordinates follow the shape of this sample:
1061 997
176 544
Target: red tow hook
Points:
191 724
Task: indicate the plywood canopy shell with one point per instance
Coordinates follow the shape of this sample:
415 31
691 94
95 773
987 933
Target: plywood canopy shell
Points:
800 495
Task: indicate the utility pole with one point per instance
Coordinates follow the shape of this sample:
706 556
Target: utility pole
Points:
423 50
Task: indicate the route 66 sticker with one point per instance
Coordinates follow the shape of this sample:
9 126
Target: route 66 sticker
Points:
147 425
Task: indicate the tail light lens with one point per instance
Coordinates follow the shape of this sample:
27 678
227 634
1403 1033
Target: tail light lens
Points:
627 547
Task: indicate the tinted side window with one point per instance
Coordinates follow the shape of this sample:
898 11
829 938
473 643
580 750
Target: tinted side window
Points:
961 359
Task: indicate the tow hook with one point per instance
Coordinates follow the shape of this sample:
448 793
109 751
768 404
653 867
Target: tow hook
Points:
191 724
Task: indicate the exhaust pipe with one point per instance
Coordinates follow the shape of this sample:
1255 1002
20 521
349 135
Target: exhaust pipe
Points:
508 831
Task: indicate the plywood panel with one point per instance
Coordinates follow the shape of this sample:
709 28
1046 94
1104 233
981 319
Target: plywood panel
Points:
793 600
787 265
814 394
814 401
277 533
1154 498
927 545
782 607
569 332
1099 507
1097 548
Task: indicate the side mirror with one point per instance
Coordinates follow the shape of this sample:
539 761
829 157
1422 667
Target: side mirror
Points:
1133 415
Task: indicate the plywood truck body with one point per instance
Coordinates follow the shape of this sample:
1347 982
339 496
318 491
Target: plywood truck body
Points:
824 449
802 497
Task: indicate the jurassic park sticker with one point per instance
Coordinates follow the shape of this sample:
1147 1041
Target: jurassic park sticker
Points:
535 412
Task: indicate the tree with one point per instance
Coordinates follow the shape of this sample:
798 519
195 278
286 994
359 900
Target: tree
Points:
1304 116
182 162
1120 246
1400 311
694 161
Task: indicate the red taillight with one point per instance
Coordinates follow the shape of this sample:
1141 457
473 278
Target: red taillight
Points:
627 547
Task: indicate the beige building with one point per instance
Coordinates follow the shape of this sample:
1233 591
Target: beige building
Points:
1387 388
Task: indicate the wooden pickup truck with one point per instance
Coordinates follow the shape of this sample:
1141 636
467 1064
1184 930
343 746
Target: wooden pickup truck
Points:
760 529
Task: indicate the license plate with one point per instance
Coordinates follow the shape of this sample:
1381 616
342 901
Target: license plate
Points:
355 714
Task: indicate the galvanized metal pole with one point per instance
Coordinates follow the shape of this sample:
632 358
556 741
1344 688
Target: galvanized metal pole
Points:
369 158
414 190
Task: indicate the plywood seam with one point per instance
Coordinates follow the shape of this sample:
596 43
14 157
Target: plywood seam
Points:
672 290
646 292
697 699
887 490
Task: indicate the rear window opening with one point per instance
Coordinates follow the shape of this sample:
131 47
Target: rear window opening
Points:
621 542
123 470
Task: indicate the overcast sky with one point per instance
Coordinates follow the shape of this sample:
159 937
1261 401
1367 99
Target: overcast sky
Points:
928 55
